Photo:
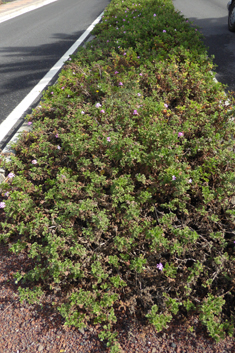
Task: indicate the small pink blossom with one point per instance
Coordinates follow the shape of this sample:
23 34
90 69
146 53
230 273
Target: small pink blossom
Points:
124 54
141 74
154 15
135 112
2 204
52 92
62 88
6 194
57 135
29 122
138 94
34 161
108 139
11 175
120 84
116 72
102 111
164 31
190 180
98 105
173 177
165 105
160 266
180 134
58 147
82 112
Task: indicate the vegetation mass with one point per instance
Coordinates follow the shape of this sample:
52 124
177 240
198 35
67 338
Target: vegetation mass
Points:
123 192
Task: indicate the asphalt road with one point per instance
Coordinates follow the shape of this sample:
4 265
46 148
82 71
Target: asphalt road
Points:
32 43
212 18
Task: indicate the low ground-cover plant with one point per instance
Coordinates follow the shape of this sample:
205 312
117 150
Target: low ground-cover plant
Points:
123 193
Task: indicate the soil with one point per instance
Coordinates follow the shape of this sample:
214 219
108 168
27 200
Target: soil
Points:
32 328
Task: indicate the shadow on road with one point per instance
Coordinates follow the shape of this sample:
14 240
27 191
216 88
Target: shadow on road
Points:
27 65
220 43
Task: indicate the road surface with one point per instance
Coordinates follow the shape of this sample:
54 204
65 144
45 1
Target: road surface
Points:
212 17
32 43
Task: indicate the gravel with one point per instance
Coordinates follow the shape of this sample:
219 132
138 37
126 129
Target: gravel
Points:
30 328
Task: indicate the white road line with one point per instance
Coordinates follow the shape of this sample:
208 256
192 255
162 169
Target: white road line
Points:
15 13
17 113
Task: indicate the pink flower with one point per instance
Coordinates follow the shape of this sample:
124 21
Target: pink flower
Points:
102 111
141 74
57 135
11 175
165 105
58 147
154 15
34 161
29 122
124 54
135 112
2 204
52 92
160 266
120 84
180 134
116 72
164 31
107 41
82 112
190 180
138 94
62 88
108 139
98 105
173 177
6 194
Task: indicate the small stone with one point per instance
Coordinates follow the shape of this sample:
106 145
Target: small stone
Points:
81 330
233 200
2 178
40 348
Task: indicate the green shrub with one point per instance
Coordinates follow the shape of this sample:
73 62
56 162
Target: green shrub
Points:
124 190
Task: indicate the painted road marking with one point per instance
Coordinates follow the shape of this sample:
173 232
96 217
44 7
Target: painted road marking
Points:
17 113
